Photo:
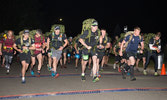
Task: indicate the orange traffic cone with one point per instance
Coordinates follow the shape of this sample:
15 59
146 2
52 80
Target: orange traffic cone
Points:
163 72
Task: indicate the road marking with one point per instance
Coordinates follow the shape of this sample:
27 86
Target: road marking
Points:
77 92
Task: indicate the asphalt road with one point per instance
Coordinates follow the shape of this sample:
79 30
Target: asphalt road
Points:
68 86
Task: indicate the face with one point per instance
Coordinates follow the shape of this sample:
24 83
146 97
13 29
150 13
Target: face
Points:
157 37
137 32
38 34
94 28
26 36
103 32
57 31
116 37
10 33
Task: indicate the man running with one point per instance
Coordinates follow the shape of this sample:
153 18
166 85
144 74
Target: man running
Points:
154 50
23 45
90 45
39 42
7 44
131 50
57 43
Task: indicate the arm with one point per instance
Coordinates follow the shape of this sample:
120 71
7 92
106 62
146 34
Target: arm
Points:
75 46
0 48
121 47
84 44
47 44
15 47
32 47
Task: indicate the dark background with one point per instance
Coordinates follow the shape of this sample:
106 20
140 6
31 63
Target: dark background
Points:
111 15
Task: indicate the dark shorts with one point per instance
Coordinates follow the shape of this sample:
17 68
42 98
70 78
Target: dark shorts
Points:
100 55
35 55
117 58
140 56
131 54
90 53
25 57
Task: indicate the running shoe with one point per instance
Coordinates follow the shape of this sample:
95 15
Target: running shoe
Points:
49 68
7 71
23 81
32 72
133 79
95 79
38 74
53 74
83 78
144 72
156 74
56 75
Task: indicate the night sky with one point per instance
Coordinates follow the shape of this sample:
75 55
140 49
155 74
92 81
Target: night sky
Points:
32 14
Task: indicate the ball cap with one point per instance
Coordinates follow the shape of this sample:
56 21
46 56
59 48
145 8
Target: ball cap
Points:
26 31
57 28
94 23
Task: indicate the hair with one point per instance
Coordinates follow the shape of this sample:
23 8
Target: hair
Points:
158 34
10 31
39 31
103 29
137 28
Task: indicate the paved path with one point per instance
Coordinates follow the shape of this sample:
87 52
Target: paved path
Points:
68 86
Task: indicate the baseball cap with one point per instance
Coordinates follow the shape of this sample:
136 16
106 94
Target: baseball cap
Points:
57 28
26 31
94 23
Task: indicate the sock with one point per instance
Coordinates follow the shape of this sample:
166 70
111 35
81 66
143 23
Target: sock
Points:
23 78
83 74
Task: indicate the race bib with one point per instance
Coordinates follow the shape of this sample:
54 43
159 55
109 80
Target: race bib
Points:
37 45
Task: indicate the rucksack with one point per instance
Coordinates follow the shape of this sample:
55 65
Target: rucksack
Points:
130 38
86 25
62 28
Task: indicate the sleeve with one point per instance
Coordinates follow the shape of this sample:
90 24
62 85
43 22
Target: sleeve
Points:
127 38
84 35
64 37
50 37
141 39
1 41
151 43
159 46
43 39
17 41
32 41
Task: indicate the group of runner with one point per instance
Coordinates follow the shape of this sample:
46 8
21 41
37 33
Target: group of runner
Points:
92 44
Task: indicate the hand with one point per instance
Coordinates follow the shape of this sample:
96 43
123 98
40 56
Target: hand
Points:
19 50
101 47
14 52
47 49
0 52
88 47
39 49
24 47
120 53
61 48
43 51
141 51
158 51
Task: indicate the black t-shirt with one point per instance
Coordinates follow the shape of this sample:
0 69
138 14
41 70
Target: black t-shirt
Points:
25 43
93 38
104 42
57 41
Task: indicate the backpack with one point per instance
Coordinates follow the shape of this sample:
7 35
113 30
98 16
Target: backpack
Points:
130 38
21 40
62 28
86 25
